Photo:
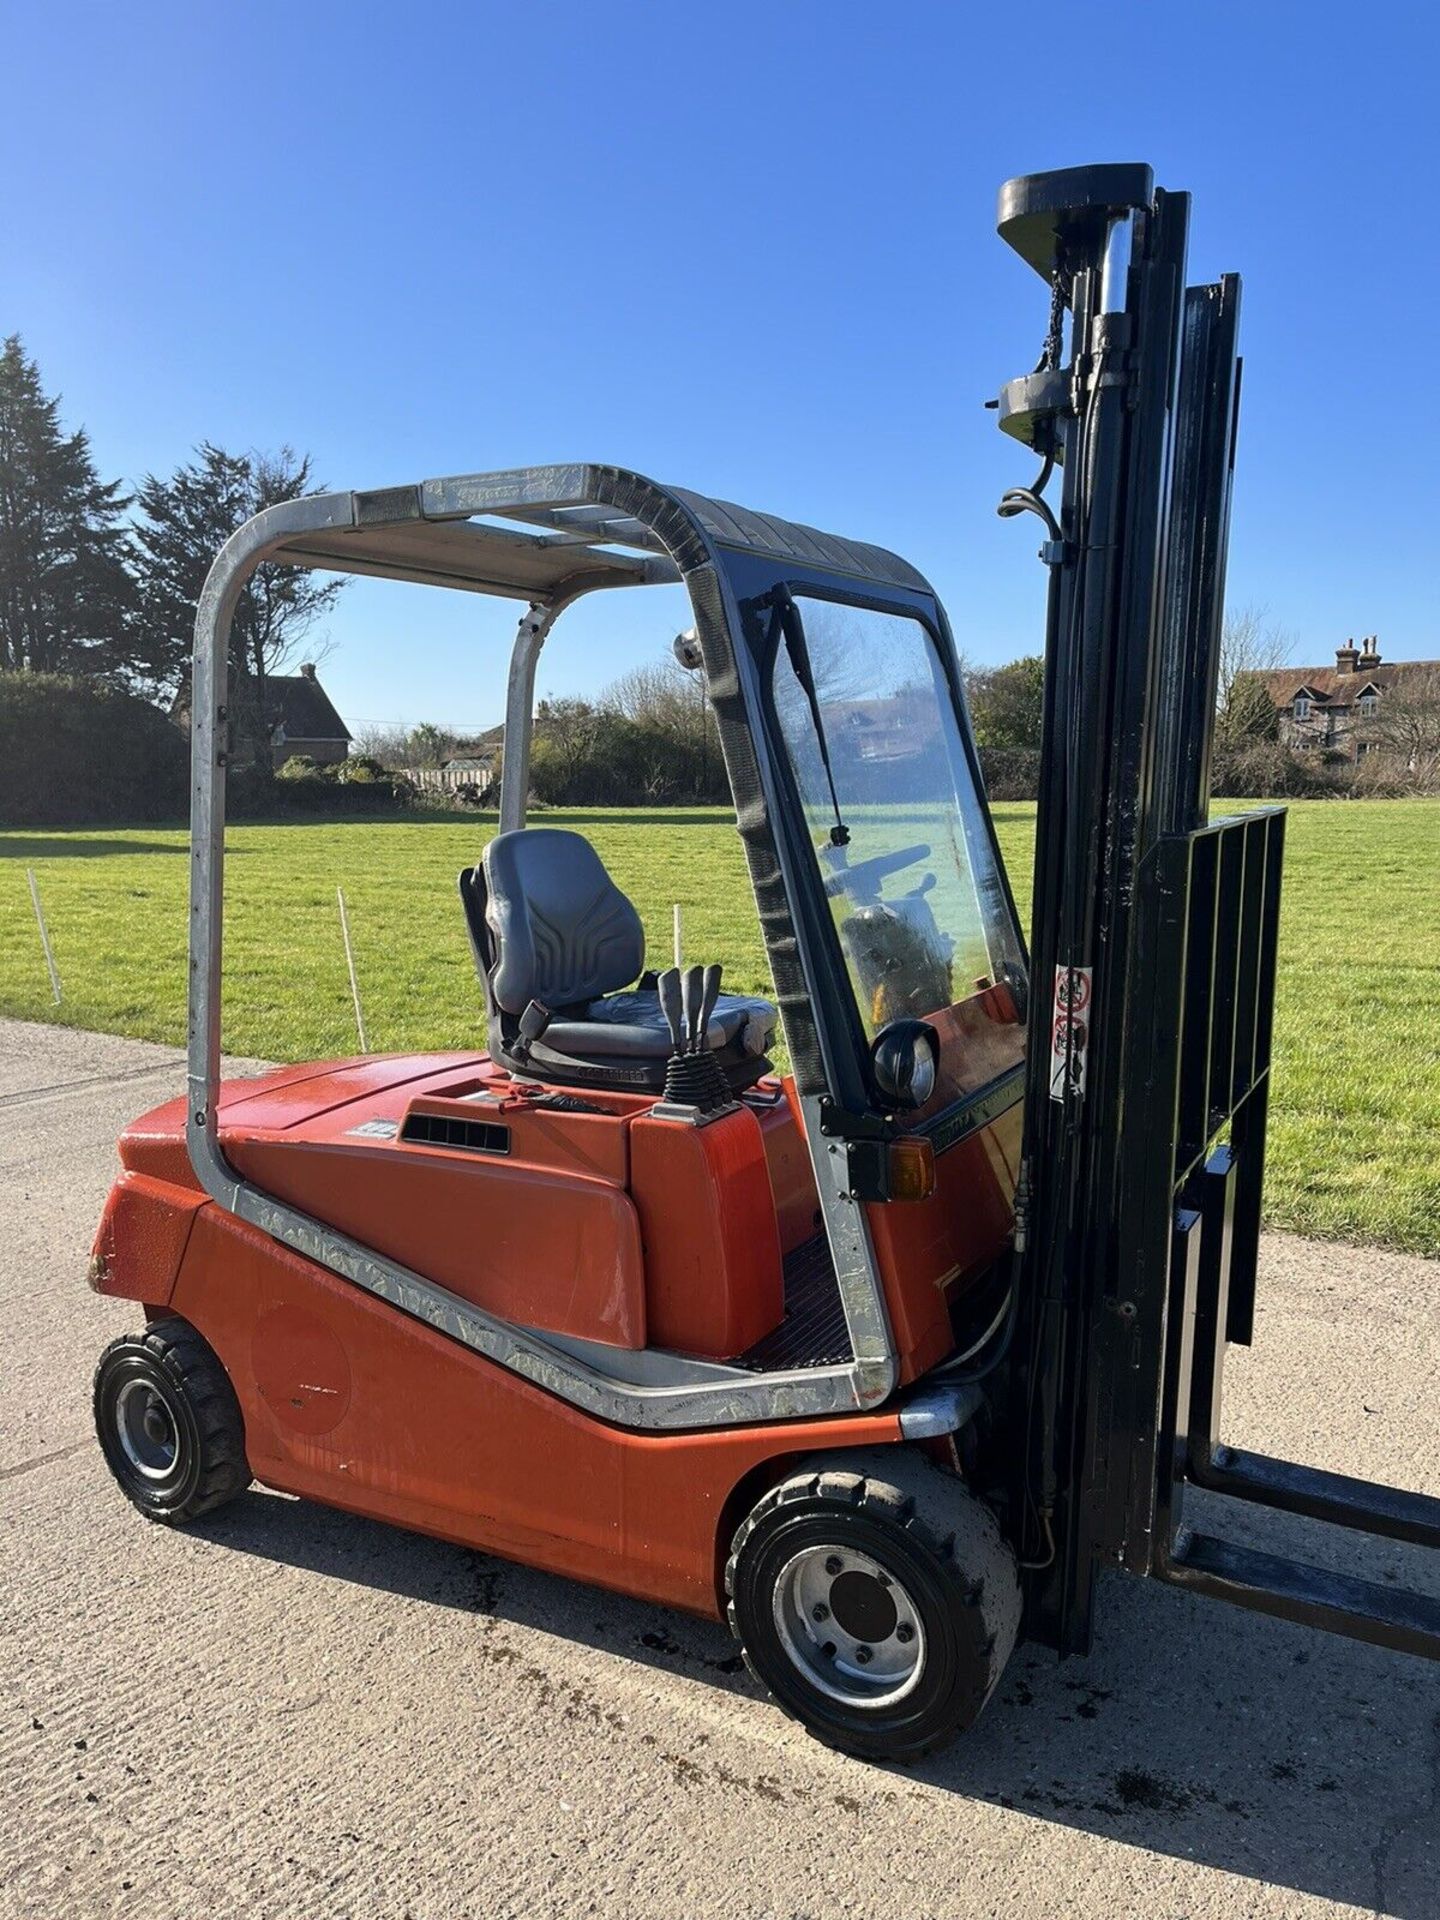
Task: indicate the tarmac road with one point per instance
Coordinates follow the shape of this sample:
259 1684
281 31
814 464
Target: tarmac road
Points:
291 1712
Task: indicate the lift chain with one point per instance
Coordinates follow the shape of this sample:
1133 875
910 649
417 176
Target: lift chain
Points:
1055 334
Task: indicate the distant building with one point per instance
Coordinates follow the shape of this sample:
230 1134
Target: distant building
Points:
303 722
469 776
299 720
1324 709
896 727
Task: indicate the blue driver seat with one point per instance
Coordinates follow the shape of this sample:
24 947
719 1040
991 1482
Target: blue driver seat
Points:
558 946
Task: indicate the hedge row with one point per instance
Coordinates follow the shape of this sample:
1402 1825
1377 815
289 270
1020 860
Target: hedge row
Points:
74 751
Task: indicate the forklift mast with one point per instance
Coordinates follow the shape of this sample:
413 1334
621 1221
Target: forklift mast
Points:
1153 953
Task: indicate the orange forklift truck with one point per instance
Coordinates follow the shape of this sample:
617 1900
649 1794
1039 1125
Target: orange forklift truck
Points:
884 1358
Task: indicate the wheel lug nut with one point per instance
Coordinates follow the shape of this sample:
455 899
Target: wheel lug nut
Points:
864 1655
834 1565
884 1579
904 1633
820 1611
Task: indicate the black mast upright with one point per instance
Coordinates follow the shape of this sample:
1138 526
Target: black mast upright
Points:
1123 760
1154 952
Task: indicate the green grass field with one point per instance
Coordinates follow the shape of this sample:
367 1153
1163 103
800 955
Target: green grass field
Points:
1355 1112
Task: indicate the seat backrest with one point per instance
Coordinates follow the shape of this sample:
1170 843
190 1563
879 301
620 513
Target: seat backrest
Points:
563 932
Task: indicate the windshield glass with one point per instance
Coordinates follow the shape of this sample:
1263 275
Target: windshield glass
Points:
900 836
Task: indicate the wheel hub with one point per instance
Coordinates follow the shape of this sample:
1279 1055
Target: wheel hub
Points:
849 1625
146 1429
862 1606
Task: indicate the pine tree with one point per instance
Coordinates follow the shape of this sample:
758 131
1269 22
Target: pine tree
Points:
186 520
66 595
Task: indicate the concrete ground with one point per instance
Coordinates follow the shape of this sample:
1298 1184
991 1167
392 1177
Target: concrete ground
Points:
291 1712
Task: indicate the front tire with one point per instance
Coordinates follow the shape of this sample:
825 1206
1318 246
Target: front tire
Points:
873 1596
169 1424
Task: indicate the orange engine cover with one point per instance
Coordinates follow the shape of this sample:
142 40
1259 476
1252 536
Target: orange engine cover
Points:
546 1247
596 1221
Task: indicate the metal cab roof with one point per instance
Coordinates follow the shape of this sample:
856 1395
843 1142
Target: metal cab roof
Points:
550 533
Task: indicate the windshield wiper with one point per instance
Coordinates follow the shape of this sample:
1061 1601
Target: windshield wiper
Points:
793 632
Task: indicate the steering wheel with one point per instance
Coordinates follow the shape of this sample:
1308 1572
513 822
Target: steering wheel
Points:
863 879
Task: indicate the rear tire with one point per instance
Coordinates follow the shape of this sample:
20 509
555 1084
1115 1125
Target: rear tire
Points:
873 1596
169 1424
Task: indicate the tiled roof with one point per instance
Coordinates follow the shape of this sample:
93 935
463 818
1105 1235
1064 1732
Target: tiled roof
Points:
1333 688
298 703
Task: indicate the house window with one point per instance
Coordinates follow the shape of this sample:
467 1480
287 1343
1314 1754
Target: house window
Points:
1369 702
1302 706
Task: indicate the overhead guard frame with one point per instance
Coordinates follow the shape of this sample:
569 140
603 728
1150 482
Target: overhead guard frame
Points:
584 528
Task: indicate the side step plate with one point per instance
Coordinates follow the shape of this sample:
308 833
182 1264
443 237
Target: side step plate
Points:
1332 1497
1291 1590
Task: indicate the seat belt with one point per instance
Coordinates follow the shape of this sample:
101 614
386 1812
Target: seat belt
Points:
533 1022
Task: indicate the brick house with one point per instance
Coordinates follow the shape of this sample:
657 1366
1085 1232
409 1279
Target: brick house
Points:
299 720
1324 709
303 721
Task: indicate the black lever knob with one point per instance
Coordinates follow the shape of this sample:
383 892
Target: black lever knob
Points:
668 987
710 993
694 990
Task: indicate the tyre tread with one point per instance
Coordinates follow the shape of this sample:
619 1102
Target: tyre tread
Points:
193 1367
899 1487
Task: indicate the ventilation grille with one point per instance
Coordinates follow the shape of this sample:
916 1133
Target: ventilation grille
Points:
440 1130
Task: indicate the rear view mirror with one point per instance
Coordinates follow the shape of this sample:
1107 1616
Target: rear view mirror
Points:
905 1060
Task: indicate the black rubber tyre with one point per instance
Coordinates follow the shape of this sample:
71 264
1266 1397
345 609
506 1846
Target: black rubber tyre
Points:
169 1423
873 1596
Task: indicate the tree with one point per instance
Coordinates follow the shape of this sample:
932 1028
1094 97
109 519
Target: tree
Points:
1250 643
394 744
1249 716
187 519
661 693
669 704
65 591
1007 704
1248 756
427 745
387 743
566 732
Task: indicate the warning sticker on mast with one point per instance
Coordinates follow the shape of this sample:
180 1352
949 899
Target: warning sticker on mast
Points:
1070 1032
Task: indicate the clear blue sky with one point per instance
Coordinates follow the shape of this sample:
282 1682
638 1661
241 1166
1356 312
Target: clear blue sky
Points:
747 248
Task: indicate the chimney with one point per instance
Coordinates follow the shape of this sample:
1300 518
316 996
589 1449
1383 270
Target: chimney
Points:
1370 654
308 669
1345 657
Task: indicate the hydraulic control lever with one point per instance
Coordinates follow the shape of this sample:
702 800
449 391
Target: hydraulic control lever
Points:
694 988
688 1002
695 1086
709 994
668 987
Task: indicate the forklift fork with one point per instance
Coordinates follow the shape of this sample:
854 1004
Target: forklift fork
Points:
1225 979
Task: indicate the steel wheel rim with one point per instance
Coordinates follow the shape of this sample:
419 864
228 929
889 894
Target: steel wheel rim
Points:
147 1430
850 1627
